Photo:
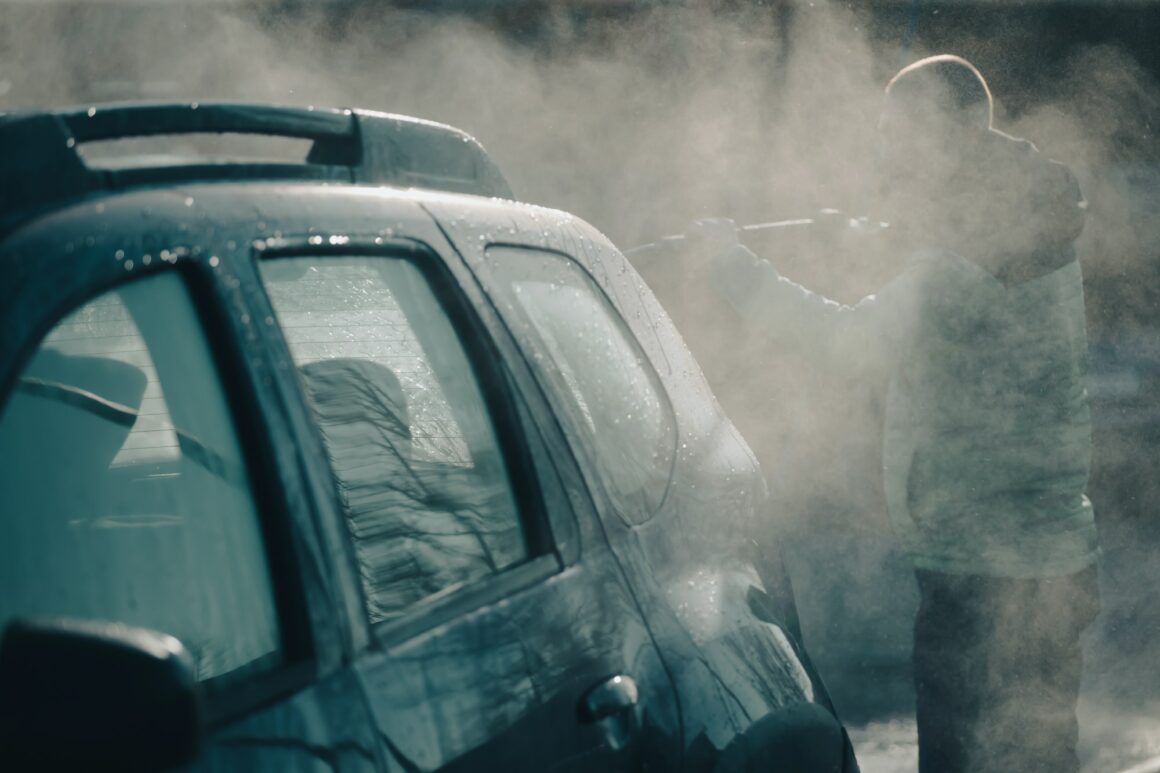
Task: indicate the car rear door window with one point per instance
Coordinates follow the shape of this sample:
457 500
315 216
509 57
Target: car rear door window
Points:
618 411
417 465
125 493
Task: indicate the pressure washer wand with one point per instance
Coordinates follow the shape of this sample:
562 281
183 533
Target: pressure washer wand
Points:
826 217
675 239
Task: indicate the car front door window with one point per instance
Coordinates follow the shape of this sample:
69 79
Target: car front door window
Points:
126 494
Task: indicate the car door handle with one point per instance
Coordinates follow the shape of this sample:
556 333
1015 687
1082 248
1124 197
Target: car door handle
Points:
610 706
613 696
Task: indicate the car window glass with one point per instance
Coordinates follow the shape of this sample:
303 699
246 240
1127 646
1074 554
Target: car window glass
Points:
126 496
583 349
419 471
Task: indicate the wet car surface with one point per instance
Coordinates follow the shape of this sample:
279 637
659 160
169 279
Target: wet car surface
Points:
857 614
403 479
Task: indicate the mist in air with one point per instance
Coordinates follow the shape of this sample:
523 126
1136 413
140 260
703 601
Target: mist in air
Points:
641 119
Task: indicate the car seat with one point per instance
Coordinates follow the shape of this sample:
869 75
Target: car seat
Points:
64 423
418 526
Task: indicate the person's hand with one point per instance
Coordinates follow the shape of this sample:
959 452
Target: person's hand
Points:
712 236
730 267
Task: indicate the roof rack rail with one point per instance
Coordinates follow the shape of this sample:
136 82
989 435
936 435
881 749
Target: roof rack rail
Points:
41 166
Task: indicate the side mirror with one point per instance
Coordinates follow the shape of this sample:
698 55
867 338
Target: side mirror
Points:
94 695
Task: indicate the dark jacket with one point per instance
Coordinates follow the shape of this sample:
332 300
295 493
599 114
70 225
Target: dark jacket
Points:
983 344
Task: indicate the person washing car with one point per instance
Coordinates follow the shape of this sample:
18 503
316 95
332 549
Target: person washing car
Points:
981 340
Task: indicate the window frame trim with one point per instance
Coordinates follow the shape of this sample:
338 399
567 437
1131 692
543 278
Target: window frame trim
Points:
299 665
497 390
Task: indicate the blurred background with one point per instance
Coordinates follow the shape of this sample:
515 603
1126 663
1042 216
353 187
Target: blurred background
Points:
640 116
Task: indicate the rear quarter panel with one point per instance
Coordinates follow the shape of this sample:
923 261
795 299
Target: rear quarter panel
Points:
691 560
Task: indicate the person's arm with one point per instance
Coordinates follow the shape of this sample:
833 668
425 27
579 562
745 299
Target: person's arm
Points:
856 338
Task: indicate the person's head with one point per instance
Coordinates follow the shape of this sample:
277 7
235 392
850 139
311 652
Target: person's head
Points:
935 116
934 111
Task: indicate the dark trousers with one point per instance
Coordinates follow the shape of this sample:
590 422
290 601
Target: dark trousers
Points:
997 665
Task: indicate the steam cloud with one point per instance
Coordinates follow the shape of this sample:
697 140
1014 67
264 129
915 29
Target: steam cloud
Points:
641 122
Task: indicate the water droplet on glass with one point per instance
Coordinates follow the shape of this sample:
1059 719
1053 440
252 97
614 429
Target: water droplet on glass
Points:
189 201
119 254
213 261
128 265
92 111
146 260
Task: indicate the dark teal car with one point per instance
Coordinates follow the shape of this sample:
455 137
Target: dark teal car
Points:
358 464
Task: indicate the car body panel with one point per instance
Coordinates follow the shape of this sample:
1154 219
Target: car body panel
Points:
665 598
687 555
